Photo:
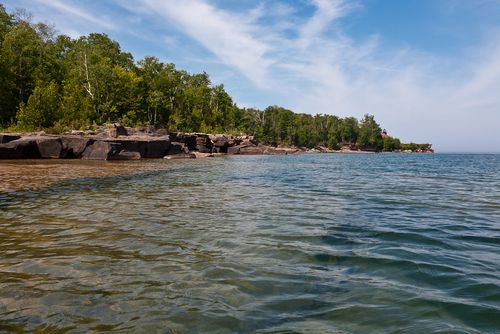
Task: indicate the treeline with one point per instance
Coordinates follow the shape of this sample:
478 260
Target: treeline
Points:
54 82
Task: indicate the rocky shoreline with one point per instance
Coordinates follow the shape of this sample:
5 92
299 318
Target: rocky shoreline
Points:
119 143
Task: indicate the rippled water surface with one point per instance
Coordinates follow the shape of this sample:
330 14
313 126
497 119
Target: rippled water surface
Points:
336 243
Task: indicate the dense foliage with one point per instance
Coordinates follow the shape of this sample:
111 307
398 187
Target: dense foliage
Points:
52 81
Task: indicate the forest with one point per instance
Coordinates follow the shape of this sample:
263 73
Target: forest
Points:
55 83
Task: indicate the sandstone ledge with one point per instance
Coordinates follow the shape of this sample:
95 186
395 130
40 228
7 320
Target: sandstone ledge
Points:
119 143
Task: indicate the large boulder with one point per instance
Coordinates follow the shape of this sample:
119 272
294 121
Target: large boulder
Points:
247 140
106 150
23 148
220 143
127 149
116 129
101 150
50 147
190 140
203 143
74 146
150 148
155 148
34 147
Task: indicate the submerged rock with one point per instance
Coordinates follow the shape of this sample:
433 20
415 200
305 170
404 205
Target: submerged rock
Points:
201 155
180 156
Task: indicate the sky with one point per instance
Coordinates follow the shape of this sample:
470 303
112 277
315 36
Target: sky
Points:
429 70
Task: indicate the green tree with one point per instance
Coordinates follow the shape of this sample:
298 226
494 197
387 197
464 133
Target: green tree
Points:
370 133
42 109
349 130
21 52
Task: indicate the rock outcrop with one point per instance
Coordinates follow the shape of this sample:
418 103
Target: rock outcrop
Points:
119 143
22 148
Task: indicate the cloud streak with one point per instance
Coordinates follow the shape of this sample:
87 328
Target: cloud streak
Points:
228 36
78 12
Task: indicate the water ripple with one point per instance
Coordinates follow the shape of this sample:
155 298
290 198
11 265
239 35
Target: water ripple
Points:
379 243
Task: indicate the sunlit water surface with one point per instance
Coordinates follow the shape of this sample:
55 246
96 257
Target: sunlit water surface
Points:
379 243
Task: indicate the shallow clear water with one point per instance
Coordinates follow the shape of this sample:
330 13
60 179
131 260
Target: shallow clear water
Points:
370 243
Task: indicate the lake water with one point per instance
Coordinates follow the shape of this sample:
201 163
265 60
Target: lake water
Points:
313 243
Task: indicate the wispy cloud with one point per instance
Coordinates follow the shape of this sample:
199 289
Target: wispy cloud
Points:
78 12
227 35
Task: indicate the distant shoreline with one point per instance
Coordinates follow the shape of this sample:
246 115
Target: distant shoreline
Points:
119 143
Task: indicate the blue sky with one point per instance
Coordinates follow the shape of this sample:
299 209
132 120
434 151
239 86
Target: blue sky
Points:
429 70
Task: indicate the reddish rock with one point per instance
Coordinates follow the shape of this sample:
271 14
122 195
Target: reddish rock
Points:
187 139
101 150
74 146
50 147
116 129
107 150
23 148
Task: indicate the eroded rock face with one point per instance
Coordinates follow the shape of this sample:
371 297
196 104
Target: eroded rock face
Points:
155 148
203 143
101 150
106 150
177 148
23 148
187 139
33 147
126 149
74 146
50 147
220 143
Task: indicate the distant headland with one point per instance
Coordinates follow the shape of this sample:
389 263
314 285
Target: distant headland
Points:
55 84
